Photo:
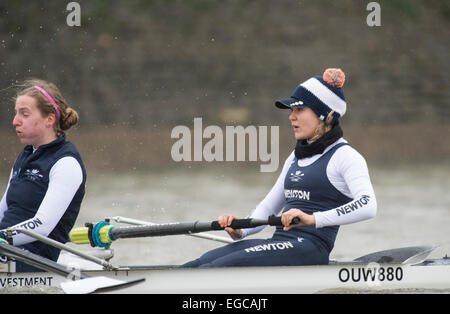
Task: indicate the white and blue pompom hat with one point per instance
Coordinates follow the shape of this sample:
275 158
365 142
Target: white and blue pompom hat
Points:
321 94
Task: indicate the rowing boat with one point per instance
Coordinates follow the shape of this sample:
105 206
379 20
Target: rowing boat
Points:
400 269
429 275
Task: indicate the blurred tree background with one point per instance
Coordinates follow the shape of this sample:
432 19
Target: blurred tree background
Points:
135 69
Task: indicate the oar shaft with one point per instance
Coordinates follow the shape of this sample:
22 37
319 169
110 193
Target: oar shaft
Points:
102 234
159 230
201 235
187 227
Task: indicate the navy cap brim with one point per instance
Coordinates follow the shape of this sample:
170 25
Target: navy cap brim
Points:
288 103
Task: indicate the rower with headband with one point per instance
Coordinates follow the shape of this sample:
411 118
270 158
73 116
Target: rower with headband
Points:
49 171
55 106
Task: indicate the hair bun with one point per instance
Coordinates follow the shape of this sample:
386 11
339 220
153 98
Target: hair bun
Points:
334 77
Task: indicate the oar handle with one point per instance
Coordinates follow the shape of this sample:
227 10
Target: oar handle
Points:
240 223
253 222
276 221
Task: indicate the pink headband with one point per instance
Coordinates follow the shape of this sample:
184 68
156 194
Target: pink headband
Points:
58 113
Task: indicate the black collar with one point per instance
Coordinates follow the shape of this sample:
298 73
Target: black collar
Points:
303 149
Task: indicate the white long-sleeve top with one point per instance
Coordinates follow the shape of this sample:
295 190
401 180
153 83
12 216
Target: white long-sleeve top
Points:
65 178
347 171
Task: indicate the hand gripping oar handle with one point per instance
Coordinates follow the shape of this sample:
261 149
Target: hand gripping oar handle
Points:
102 234
253 222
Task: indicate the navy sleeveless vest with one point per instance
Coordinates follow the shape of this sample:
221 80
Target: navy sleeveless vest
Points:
308 189
28 186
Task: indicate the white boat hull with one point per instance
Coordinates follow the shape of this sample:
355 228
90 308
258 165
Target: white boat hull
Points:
258 280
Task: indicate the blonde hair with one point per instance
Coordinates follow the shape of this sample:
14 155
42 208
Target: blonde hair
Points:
323 127
69 117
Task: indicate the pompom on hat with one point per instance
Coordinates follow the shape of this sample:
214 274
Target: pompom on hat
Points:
322 94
